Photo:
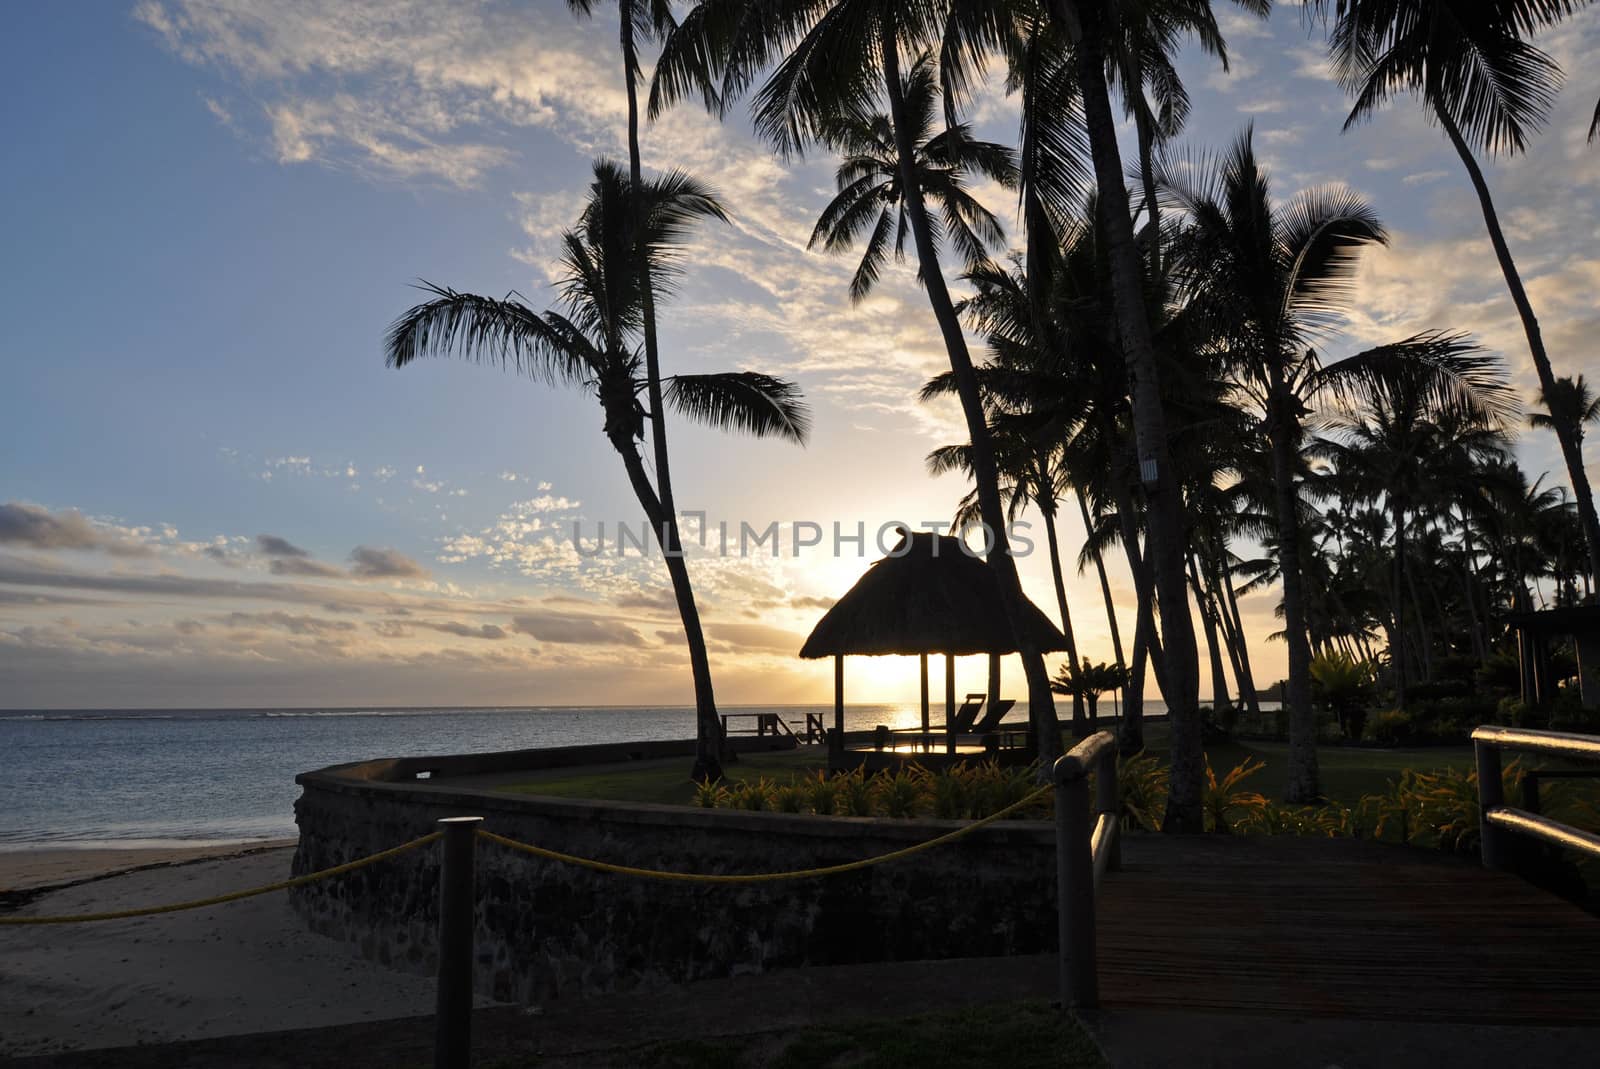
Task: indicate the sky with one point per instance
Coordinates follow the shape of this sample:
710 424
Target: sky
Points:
213 493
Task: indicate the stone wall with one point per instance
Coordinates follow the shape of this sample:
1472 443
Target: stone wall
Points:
546 929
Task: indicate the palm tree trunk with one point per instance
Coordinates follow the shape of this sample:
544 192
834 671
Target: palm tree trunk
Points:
1571 453
710 747
1208 620
1047 509
1146 646
1397 637
1147 170
709 742
1041 705
1166 544
1303 787
1105 584
1130 733
1234 628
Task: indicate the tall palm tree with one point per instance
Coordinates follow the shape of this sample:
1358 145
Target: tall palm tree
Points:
1090 28
1270 278
1482 82
646 20
594 344
826 61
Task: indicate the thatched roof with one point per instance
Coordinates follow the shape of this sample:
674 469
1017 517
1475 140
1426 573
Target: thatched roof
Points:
932 596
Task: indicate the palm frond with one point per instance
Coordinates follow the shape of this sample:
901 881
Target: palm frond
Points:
747 401
483 329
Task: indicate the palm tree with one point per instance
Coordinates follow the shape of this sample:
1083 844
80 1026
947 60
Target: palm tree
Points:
1089 26
1269 279
870 199
1482 82
1087 681
830 61
649 20
594 345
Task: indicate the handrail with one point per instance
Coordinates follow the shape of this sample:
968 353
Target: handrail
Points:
1498 821
1088 842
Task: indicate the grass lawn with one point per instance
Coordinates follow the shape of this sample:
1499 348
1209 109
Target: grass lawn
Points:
667 781
1348 772
1027 1035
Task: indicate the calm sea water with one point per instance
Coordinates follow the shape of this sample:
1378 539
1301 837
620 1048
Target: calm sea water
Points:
170 777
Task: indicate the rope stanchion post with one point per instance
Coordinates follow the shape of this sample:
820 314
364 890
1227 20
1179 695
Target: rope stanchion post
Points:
452 1047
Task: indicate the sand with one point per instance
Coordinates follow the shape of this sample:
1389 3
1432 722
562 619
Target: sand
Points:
27 870
247 966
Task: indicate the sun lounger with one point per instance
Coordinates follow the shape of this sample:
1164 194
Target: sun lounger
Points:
967 715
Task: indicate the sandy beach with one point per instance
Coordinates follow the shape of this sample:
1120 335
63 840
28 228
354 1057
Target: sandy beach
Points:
30 870
247 966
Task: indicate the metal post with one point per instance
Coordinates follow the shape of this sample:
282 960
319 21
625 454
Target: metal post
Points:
1107 799
1491 795
1075 895
452 1043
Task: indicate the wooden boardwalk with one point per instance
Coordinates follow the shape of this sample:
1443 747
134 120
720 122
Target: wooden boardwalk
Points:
1340 928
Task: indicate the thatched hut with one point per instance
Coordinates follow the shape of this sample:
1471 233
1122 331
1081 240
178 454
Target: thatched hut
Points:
929 595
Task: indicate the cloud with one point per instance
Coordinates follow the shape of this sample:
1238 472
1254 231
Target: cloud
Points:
273 546
39 528
757 637
660 601
382 563
301 566
399 90
576 630
455 627
295 624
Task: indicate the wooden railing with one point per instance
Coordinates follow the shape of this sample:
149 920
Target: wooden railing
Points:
1499 821
1088 842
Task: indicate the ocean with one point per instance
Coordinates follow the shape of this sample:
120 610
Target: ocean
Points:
192 777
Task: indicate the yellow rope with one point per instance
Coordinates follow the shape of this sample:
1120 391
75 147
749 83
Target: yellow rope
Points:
231 896
764 877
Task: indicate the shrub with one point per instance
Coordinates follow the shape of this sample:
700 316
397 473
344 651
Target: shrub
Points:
1142 784
1220 799
855 794
708 794
1345 685
822 793
994 788
901 794
951 793
1392 727
755 795
789 798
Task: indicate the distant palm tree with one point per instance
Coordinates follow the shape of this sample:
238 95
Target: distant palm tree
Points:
1270 278
594 345
1482 82
1570 405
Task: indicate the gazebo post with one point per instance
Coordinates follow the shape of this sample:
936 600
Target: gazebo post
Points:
949 703
994 678
923 658
838 694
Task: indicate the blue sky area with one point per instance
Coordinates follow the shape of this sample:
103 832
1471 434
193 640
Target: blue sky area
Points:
215 207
